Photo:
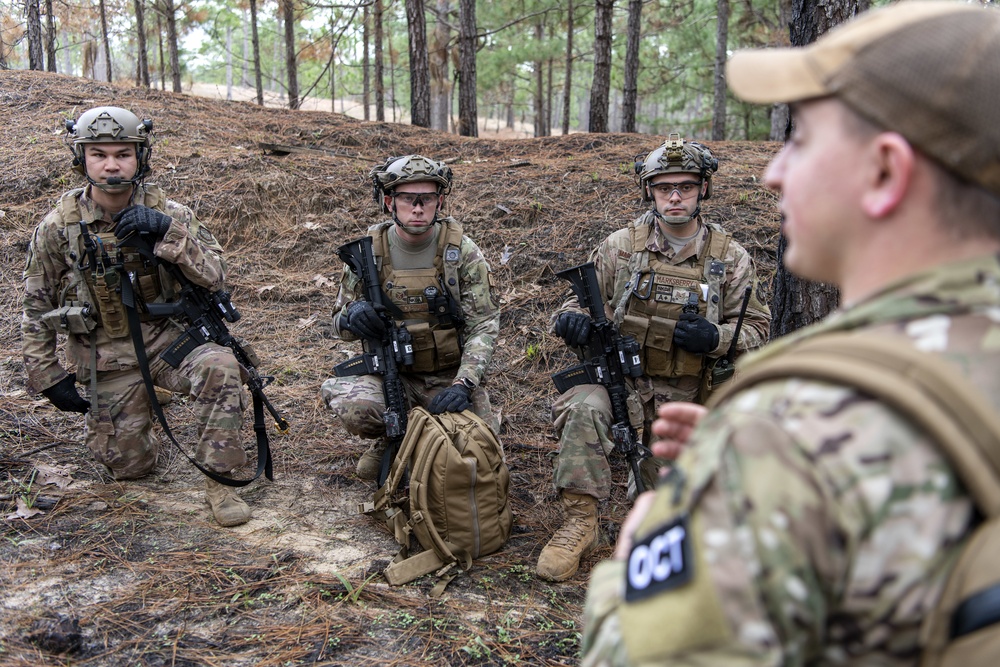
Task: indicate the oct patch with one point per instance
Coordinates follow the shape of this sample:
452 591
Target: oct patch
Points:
660 562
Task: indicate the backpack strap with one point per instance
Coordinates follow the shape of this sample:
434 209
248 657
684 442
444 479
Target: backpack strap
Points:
919 385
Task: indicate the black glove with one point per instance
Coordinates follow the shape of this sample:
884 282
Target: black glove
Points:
453 399
64 396
574 328
696 334
141 220
361 319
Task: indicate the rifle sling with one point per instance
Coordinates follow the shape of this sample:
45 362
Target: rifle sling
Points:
263 448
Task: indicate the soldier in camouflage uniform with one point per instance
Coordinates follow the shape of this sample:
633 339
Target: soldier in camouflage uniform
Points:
676 283
72 287
808 523
416 251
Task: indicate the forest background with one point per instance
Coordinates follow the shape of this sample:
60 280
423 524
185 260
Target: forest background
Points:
533 67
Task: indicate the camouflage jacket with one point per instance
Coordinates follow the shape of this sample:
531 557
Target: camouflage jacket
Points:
615 273
52 265
821 524
479 304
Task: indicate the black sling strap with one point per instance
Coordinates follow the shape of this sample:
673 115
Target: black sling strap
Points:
263 447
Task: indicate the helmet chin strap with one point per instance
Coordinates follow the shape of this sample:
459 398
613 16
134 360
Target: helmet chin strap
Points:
677 220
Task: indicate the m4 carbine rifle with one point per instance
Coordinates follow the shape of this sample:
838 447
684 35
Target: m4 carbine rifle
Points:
608 358
383 356
207 313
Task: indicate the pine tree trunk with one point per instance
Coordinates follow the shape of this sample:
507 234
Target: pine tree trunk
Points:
256 53
568 84
420 89
142 55
468 108
632 65
50 37
379 70
291 64
601 88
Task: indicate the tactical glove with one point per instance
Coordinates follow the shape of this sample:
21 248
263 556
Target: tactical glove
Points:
361 319
696 334
141 220
453 399
574 328
65 397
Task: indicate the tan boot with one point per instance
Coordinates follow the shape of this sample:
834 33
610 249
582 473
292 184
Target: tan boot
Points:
560 559
163 397
227 507
371 461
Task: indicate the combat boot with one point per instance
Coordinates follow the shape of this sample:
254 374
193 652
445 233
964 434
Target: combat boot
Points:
371 461
560 559
227 507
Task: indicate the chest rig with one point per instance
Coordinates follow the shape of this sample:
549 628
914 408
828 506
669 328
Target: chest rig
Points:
100 264
658 293
427 299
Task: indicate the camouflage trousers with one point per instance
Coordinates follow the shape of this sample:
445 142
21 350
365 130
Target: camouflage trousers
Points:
582 418
359 402
119 425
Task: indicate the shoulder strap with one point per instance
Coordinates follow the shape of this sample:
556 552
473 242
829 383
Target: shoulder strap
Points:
450 254
919 385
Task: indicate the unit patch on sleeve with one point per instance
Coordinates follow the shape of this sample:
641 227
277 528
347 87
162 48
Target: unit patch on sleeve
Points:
661 562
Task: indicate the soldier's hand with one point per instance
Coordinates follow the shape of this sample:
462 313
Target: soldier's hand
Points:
640 508
65 397
574 328
673 425
141 220
696 334
361 319
453 399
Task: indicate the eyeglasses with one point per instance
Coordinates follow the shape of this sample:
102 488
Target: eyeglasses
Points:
414 199
686 190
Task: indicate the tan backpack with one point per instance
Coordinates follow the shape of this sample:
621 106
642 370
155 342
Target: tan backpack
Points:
964 628
457 506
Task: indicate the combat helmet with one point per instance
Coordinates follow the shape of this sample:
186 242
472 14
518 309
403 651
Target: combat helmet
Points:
110 125
676 155
396 171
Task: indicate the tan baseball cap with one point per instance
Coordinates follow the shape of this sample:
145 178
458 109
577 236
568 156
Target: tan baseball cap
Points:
927 70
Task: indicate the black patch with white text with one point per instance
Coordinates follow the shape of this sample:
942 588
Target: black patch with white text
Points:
661 562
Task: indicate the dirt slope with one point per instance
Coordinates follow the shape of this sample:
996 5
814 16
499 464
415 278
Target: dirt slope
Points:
134 573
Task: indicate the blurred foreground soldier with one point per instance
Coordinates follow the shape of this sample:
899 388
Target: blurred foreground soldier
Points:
72 287
438 284
677 284
808 522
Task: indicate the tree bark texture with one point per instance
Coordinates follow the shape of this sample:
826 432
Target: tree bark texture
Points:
721 45
50 37
631 92
379 68
142 58
439 55
568 84
420 89
36 58
291 61
468 110
601 88
175 61
106 41
256 53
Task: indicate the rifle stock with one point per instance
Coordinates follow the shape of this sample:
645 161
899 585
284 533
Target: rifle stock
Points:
609 358
382 356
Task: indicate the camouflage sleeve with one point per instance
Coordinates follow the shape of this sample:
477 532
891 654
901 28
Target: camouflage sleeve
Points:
844 555
193 248
757 322
349 292
44 272
481 311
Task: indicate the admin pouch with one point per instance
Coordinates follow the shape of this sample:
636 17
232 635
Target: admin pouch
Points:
457 507
964 628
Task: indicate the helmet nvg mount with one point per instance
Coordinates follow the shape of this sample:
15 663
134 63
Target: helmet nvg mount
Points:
676 156
110 125
396 171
